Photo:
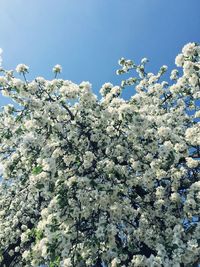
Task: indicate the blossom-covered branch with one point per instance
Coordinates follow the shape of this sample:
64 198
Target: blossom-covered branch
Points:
102 182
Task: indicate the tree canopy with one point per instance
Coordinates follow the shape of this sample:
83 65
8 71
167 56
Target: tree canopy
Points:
102 182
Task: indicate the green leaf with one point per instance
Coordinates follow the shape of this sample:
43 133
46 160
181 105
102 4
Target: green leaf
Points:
38 235
32 233
55 263
55 259
37 170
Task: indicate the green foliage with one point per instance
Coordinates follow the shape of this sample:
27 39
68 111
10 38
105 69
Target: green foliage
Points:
56 262
36 234
37 170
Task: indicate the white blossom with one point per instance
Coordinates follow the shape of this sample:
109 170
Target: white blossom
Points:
179 60
189 49
109 181
22 68
191 163
57 68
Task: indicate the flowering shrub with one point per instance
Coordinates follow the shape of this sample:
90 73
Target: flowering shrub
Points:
102 182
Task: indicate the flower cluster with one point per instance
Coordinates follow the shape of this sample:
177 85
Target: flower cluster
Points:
22 68
57 68
102 182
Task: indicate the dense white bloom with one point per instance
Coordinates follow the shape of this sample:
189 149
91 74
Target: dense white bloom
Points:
189 49
17 83
66 263
175 197
25 254
69 89
174 75
153 79
102 182
106 88
115 262
33 86
3 81
194 79
163 131
179 60
188 67
88 159
197 114
192 135
191 163
86 86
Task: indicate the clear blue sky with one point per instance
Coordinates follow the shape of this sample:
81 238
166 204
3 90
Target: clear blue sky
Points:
87 37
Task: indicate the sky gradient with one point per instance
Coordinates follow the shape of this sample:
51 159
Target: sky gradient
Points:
87 37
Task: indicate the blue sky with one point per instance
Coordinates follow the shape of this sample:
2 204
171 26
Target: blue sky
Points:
87 37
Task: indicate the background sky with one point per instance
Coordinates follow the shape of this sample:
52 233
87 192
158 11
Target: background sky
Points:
87 37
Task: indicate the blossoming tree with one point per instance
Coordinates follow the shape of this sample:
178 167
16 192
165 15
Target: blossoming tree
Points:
102 182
